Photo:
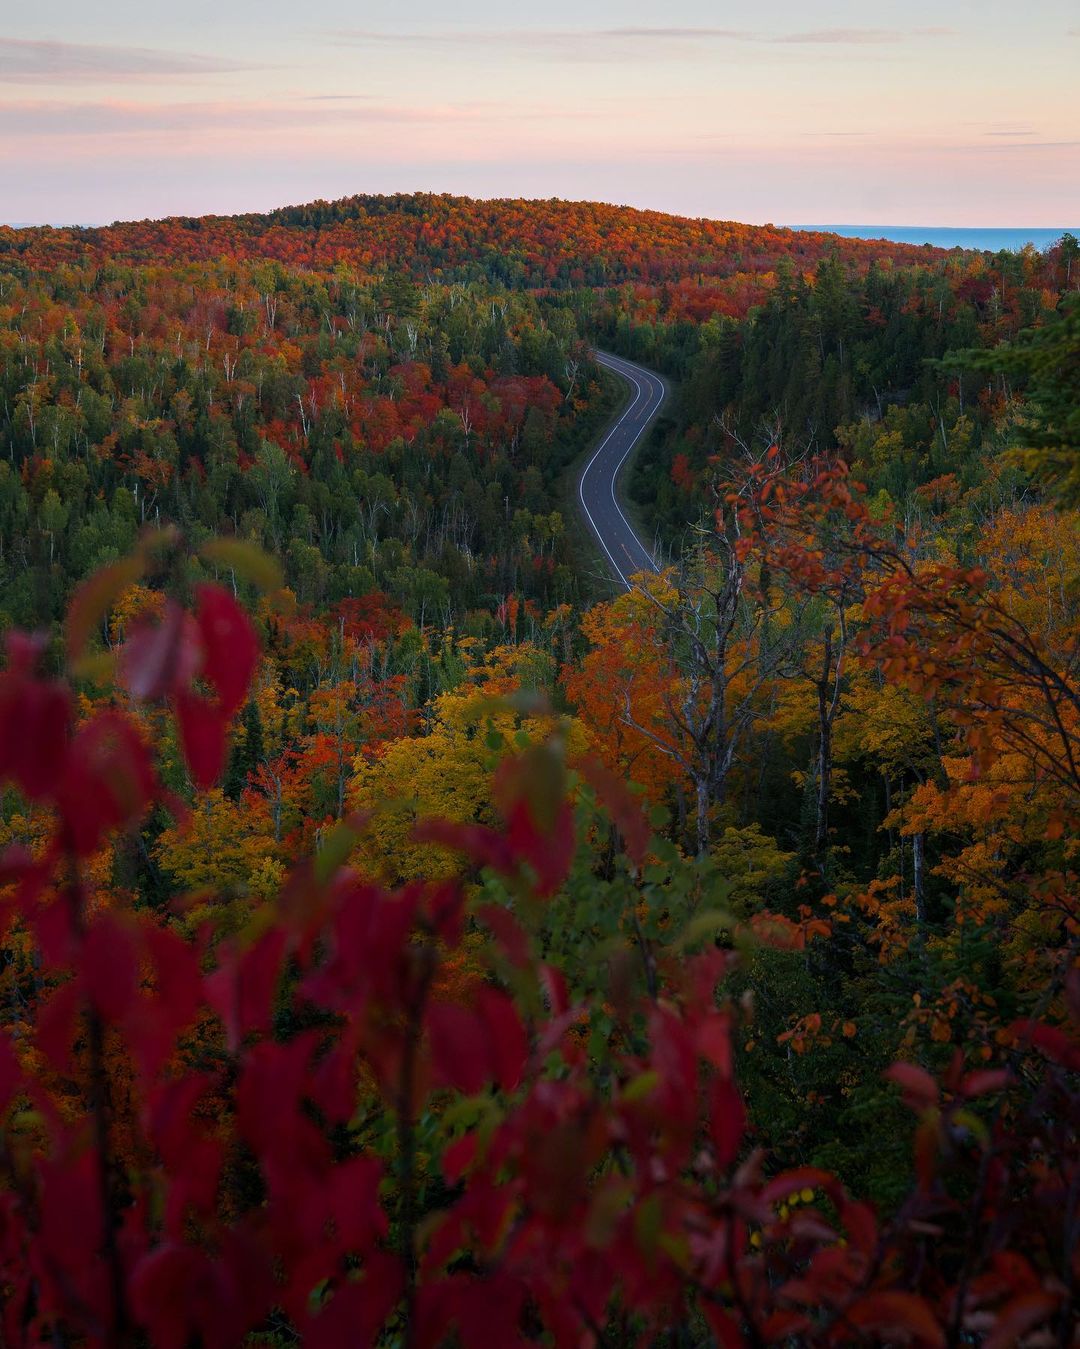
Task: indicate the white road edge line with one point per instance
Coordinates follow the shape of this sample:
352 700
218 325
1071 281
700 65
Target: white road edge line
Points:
630 374
614 364
585 473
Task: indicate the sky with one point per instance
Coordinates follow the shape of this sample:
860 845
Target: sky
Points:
928 112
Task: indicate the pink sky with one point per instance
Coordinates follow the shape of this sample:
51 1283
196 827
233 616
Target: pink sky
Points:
952 113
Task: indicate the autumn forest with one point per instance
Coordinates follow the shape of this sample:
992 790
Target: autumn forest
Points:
413 937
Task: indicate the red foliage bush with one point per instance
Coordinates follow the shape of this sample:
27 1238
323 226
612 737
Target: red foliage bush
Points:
185 1158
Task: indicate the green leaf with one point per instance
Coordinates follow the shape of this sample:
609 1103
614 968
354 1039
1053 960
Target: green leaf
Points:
94 598
704 927
544 773
336 847
648 1221
246 560
974 1125
168 536
606 1211
677 1248
641 1086
465 1113
97 667
529 703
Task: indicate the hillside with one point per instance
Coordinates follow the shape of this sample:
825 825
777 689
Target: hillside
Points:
405 943
518 243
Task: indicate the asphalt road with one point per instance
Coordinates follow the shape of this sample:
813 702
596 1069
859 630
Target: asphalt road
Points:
598 486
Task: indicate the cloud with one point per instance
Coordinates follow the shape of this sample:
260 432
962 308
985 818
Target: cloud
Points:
633 42
858 37
109 118
1023 145
45 62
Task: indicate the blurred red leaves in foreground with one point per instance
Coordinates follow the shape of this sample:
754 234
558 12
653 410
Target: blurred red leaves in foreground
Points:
213 1135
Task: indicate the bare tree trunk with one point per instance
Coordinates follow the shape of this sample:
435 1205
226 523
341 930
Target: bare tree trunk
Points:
702 816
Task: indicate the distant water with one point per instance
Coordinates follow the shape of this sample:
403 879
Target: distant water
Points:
992 239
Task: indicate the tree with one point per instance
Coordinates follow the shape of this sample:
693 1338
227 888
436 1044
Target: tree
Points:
446 774
624 683
583 1185
1045 362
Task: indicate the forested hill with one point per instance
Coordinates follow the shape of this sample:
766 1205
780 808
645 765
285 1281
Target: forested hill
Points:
388 389
437 237
398 947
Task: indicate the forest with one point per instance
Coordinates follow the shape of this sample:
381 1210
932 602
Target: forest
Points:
411 939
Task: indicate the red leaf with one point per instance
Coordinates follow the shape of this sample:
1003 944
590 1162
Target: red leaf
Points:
55 934
481 845
984 1081
458 1053
727 1120
919 1088
163 1291
230 647
728 1335
69 1217
890 1313
180 1295
624 808
109 966
10 1073
1019 1316
27 878
356 1312
860 1225
56 1020
548 851
473 1047
673 1056
170 1114
193 1157
1054 1043
202 737
486 1311
269 1093
713 1041
506 1036
509 933
161 1015
556 991
35 719
242 989
530 792
159 657
108 782
333 1083
353 1194
458 1157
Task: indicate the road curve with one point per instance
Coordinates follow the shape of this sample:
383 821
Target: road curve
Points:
598 485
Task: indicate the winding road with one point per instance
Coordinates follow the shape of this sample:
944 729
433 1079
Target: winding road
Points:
599 482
